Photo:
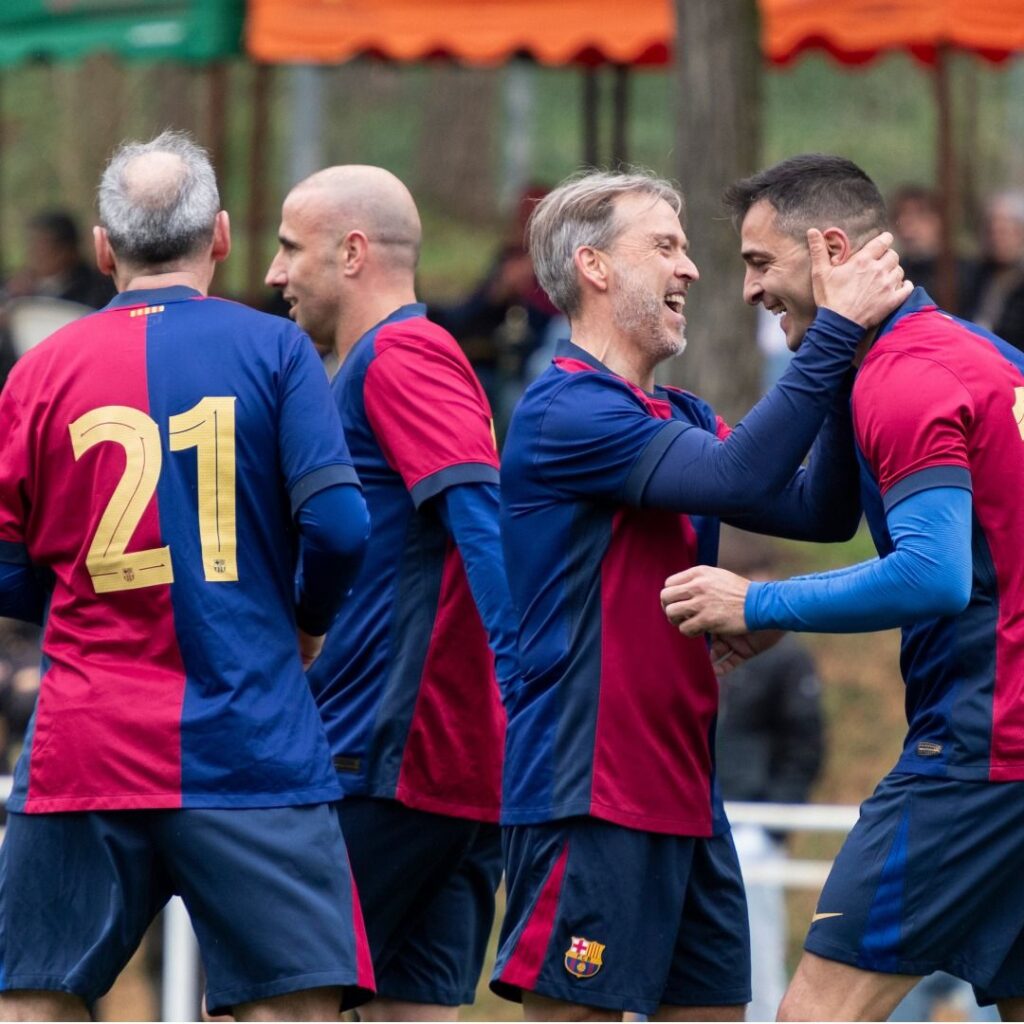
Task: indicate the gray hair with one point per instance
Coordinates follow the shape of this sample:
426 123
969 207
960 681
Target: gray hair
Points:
581 211
156 219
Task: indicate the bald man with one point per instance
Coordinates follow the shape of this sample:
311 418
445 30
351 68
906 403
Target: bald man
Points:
406 684
161 458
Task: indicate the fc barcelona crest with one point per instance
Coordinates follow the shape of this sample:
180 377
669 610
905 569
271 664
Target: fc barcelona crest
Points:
583 957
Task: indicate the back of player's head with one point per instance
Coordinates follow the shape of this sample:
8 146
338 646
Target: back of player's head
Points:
582 211
158 200
813 190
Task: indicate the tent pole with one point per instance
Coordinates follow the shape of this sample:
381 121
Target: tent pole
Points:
620 115
945 175
591 99
260 165
216 74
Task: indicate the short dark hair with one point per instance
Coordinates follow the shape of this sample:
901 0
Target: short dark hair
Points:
813 190
56 225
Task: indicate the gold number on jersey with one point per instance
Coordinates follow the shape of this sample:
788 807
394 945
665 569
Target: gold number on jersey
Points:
109 565
1018 410
209 427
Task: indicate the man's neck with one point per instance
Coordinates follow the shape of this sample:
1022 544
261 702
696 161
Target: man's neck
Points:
177 278
379 305
600 338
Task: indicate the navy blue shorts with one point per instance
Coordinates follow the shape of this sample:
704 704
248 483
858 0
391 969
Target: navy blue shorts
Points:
268 891
426 884
931 878
615 918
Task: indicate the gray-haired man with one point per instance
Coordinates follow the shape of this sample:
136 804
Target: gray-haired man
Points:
163 459
623 887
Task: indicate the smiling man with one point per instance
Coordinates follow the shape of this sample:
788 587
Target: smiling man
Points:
928 879
623 887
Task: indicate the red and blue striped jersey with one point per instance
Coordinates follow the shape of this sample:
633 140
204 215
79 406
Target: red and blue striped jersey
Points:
154 453
615 717
940 402
406 681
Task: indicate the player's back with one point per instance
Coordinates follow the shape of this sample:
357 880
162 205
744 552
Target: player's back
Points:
941 402
153 448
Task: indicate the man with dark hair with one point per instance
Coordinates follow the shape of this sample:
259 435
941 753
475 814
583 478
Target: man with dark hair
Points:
624 891
164 461
928 879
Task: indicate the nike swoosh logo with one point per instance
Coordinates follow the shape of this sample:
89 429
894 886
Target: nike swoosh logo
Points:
821 917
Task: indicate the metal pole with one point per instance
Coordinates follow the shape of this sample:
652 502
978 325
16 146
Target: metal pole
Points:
306 100
180 999
259 164
620 114
591 102
517 149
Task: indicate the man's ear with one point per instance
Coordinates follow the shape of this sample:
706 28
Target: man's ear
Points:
221 237
104 254
352 253
592 266
838 244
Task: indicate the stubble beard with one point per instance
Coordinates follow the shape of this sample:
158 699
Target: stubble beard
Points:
640 313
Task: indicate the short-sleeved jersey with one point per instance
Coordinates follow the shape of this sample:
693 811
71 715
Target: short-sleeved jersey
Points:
153 455
406 681
939 402
615 717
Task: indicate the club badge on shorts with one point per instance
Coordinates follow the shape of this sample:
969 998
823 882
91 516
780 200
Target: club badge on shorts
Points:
583 957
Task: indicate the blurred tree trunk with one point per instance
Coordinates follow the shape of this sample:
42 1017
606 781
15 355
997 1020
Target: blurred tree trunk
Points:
456 152
718 122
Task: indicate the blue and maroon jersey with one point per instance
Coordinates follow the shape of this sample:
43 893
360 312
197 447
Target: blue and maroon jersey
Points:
406 682
615 717
153 455
939 402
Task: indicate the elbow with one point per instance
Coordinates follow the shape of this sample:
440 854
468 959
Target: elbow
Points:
950 596
836 529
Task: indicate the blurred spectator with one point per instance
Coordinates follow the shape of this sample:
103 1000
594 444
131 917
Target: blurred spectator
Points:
770 745
506 315
996 298
916 218
55 267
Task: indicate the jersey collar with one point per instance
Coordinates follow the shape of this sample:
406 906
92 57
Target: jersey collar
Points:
565 349
153 296
917 300
402 313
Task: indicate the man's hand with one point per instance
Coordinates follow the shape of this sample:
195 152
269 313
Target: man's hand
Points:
309 647
729 652
706 600
864 289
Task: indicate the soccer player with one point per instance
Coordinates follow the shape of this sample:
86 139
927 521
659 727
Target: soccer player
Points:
623 888
406 683
163 459
929 878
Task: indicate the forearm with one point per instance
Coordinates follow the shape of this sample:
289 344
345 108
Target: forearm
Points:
470 514
333 528
701 474
822 502
928 574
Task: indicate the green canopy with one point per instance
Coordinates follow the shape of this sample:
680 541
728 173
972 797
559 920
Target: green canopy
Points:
191 30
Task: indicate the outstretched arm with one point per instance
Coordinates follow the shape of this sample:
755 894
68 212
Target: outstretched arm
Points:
928 574
697 472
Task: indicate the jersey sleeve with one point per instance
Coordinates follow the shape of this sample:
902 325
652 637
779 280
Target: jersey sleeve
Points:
911 417
430 417
312 445
597 440
14 475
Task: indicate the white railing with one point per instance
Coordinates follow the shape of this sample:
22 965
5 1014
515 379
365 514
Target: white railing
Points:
181 953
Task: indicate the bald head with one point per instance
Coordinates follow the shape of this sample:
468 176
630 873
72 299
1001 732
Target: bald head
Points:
158 201
357 197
